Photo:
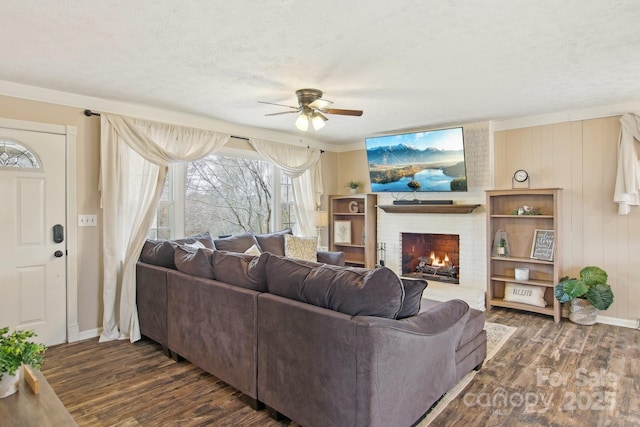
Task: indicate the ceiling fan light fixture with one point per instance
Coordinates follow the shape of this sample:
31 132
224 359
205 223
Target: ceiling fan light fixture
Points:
302 122
318 121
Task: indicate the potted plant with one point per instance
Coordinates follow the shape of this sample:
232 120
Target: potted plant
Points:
353 186
587 294
502 248
16 350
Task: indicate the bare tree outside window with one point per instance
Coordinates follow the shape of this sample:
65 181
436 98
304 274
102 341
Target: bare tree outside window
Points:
228 195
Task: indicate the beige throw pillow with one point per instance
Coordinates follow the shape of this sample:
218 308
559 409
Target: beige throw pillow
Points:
253 250
304 248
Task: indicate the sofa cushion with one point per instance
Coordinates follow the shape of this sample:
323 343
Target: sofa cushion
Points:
159 252
286 276
237 243
349 290
413 289
301 247
273 242
195 261
238 269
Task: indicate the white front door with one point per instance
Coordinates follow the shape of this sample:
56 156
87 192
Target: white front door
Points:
32 257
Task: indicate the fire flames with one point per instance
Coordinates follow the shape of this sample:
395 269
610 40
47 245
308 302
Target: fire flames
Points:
435 261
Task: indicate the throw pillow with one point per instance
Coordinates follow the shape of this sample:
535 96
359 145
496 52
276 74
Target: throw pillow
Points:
253 250
195 261
413 289
525 294
243 270
238 243
301 247
273 242
158 252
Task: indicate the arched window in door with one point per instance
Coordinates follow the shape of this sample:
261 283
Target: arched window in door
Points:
15 155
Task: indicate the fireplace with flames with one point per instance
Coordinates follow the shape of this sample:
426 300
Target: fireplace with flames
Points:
431 256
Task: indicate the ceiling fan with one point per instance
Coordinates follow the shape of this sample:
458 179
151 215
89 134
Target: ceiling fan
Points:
312 108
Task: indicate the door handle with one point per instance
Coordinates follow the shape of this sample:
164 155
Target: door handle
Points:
58 233
58 254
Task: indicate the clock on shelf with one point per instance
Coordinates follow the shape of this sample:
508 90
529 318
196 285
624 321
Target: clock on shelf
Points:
520 176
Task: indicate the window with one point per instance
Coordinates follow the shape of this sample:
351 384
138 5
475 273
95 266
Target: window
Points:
14 155
162 227
288 208
224 194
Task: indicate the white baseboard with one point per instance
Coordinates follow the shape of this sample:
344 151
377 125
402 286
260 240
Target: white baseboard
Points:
85 335
627 323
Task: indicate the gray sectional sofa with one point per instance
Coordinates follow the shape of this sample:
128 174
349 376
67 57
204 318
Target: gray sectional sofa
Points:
321 344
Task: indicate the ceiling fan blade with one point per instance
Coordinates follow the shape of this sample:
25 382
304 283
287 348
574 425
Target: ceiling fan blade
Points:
342 112
282 112
279 105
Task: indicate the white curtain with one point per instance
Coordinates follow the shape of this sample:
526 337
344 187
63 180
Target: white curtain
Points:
302 165
627 188
135 155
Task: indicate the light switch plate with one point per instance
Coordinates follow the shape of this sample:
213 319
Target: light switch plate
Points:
87 220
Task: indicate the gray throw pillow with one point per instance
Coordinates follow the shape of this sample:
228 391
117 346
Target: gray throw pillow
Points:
273 242
243 270
413 289
194 261
158 252
238 243
161 252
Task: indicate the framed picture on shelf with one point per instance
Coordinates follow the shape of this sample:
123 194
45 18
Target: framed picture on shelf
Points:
542 247
342 232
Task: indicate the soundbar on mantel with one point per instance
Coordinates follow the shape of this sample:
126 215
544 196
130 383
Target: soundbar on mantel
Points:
423 202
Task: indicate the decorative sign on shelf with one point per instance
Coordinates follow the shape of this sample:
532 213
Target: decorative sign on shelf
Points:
542 247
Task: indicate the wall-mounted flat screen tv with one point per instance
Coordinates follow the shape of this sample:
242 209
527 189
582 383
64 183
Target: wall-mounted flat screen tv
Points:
429 161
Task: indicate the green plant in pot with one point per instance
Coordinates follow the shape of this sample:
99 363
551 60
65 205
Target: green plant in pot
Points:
353 186
587 294
16 349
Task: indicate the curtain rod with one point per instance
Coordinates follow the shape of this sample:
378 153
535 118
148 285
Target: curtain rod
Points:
90 113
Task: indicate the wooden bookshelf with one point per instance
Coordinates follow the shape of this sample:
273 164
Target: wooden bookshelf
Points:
359 210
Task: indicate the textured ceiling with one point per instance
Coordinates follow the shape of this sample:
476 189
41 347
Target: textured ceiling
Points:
407 64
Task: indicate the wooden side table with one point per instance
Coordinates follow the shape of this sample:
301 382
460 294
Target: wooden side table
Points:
25 408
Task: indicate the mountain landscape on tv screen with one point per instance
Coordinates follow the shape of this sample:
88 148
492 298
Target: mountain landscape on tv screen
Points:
400 167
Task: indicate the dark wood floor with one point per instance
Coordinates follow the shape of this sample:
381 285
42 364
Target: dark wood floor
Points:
547 374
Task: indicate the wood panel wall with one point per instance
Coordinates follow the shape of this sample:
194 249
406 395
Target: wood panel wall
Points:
581 158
